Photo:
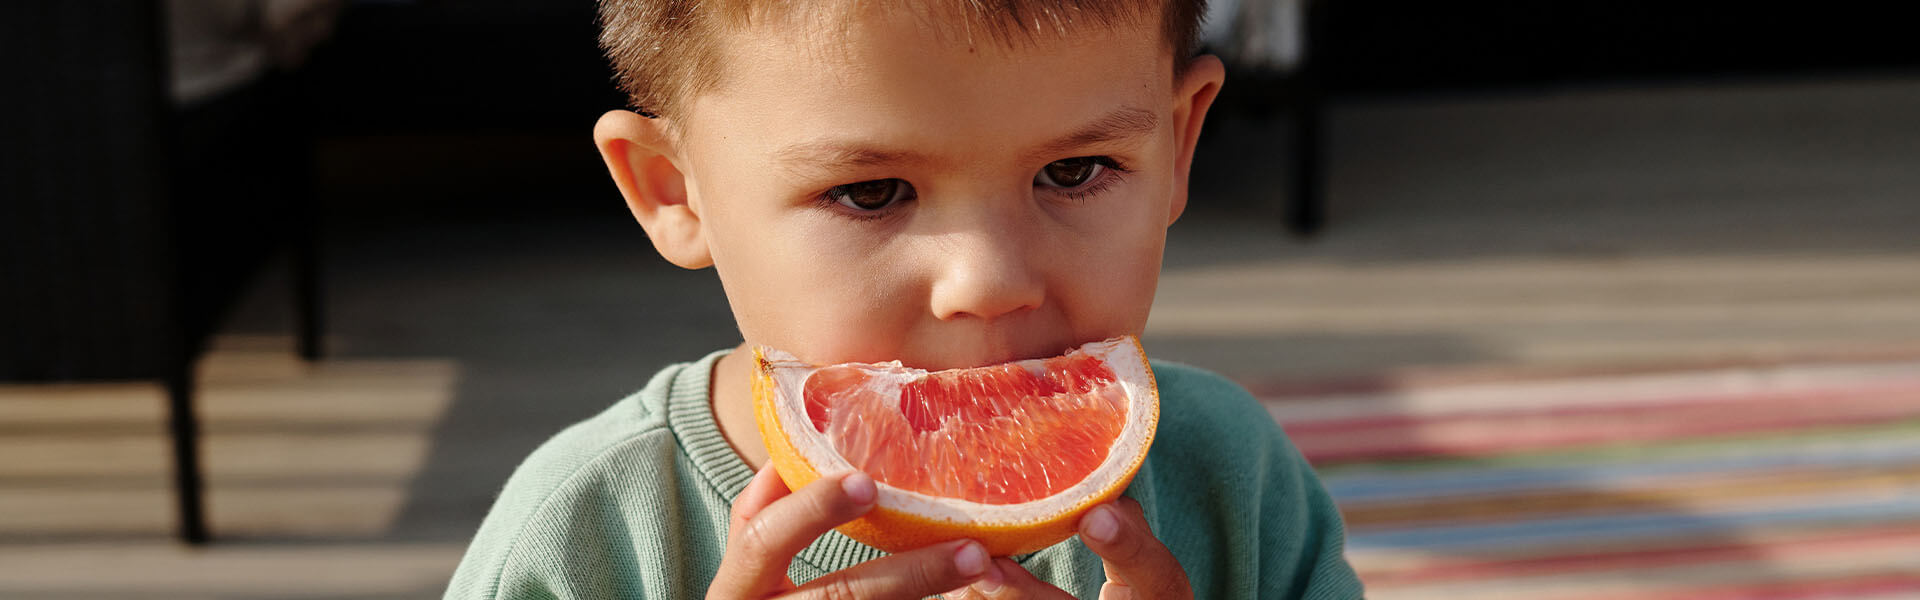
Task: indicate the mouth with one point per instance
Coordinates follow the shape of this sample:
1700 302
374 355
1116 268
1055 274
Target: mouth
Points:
954 359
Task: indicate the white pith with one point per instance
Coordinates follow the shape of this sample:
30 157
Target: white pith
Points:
1120 354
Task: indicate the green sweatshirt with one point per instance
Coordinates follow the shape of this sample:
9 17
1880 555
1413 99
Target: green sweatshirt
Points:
633 503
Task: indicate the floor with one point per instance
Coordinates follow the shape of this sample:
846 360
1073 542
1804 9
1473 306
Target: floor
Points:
1597 232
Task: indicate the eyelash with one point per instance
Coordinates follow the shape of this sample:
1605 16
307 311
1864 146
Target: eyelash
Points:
826 202
1111 172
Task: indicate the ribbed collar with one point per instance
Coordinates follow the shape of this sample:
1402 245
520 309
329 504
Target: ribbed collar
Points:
690 414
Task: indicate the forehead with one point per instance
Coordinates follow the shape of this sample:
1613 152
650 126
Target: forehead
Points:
901 78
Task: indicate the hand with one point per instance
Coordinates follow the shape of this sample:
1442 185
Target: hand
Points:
1138 566
770 525
1007 580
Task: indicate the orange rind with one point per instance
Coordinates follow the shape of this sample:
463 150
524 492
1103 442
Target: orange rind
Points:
1009 455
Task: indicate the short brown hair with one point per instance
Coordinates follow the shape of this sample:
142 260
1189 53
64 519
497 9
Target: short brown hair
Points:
664 51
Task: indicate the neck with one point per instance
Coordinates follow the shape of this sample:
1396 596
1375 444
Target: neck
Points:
731 391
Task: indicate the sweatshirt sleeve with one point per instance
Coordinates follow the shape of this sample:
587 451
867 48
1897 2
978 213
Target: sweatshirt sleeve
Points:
1239 505
1305 511
568 537
573 521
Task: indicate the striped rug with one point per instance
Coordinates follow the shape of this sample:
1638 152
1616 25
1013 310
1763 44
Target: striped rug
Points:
1780 481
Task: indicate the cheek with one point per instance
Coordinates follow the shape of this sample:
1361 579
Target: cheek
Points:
808 287
794 280
1109 272
1127 280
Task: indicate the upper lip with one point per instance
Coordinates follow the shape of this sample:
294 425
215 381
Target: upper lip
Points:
998 356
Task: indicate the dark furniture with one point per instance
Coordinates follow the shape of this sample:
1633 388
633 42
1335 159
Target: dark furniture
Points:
130 225
1412 47
1292 93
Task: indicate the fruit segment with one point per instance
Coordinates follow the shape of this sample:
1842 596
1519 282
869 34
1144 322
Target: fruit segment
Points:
1010 455
1005 434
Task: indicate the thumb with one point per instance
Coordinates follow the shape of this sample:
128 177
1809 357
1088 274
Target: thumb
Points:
1133 557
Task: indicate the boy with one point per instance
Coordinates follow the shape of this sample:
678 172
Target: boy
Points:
948 183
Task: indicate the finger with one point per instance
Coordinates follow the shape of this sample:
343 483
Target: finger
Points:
1009 581
1132 556
1115 589
761 547
765 488
913 574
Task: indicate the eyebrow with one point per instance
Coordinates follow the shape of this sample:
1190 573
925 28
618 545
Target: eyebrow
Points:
1123 123
1126 122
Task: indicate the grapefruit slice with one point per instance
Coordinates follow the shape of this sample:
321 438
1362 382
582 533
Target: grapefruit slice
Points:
1007 454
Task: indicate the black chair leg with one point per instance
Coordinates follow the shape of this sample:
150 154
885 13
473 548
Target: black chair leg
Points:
306 278
303 214
185 426
1306 214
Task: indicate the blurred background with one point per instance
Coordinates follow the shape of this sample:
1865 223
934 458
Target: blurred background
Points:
1563 299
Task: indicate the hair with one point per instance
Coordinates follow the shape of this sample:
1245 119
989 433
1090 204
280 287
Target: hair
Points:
664 52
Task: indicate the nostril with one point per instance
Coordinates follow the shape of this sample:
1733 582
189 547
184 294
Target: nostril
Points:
986 300
986 273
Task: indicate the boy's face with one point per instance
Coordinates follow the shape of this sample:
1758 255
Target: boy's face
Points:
896 194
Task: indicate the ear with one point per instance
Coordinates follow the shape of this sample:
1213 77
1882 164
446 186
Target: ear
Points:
645 166
1193 94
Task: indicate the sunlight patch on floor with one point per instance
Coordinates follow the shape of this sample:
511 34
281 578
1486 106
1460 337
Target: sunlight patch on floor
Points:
289 448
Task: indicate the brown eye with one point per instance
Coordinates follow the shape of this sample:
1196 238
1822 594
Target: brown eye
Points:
1069 173
871 195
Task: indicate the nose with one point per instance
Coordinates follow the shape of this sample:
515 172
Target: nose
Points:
986 272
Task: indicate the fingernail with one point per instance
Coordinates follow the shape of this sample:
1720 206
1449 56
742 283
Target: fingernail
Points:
1101 524
859 488
991 583
970 560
